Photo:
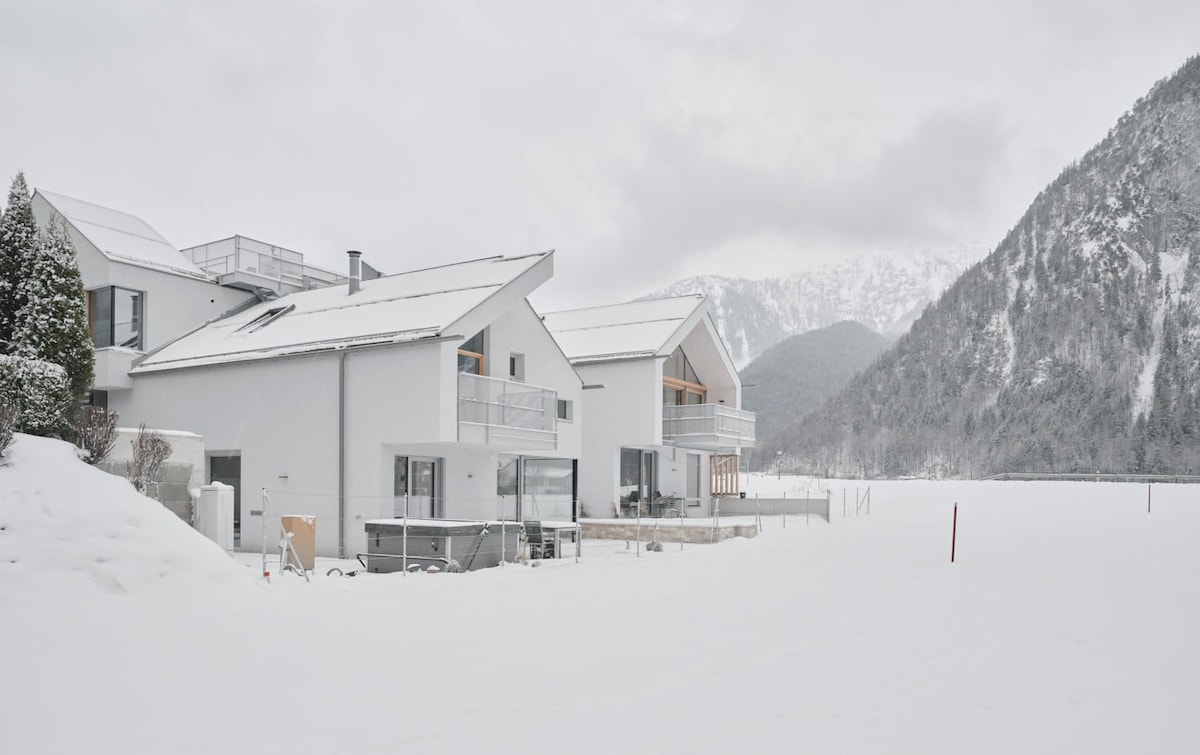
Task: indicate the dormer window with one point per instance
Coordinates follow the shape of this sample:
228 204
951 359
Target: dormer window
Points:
471 357
265 319
681 385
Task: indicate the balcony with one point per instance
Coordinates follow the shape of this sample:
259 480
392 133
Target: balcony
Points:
506 414
708 426
245 263
111 372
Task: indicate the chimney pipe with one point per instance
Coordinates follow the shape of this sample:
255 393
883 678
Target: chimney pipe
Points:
355 270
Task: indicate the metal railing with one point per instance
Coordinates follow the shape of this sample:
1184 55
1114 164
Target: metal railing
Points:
713 424
241 254
508 411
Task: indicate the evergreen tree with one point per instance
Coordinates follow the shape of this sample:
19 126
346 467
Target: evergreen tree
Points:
52 324
18 247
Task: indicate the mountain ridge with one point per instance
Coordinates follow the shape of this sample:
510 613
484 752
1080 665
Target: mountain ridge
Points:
884 292
1073 347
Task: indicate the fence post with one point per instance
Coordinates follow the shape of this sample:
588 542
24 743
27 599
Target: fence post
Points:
681 531
1148 486
954 532
785 509
638 551
266 574
757 515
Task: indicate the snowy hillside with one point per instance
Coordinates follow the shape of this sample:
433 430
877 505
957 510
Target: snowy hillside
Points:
1067 625
67 529
1074 346
885 292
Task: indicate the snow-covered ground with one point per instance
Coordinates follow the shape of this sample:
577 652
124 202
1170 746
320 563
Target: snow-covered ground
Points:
1069 624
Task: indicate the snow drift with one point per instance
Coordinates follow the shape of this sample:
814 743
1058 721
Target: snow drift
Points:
64 524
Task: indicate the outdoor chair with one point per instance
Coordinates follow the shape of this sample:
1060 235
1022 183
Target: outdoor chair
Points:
541 541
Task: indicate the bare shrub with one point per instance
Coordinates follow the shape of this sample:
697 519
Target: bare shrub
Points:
150 450
8 424
95 432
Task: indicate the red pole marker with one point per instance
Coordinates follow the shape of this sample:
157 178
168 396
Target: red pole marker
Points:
954 533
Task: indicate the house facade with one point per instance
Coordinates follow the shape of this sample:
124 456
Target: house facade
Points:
664 401
141 291
434 393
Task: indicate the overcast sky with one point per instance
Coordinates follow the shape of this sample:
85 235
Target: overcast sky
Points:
643 141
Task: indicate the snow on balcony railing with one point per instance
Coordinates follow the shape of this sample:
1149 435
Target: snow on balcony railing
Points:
708 424
506 412
245 255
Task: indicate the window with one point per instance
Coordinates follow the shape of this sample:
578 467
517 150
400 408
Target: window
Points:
115 317
516 366
266 318
548 489
98 399
637 477
681 385
566 410
471 355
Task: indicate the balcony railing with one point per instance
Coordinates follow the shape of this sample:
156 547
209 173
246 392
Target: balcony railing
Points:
229 258
708 426
506 413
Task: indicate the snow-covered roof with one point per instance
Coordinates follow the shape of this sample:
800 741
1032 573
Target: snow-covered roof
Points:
393 309
632 330
122 237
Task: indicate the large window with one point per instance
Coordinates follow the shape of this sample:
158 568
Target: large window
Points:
115 317
681 385
471 355
548 489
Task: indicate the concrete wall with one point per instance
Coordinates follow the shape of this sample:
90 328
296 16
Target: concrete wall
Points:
776 506
182 472
669 531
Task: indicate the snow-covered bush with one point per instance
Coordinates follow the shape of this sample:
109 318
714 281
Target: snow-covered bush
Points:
39 391
95 432
150 450
8 421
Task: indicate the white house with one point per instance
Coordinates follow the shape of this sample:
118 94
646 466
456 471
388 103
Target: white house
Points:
436 393
141 291
663 402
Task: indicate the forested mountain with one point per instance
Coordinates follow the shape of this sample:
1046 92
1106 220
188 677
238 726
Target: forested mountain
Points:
798 374
885 292
1074 346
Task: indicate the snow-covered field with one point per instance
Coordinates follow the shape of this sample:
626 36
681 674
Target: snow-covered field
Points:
1068 625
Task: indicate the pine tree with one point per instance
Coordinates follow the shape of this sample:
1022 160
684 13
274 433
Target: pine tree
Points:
52 324
18 247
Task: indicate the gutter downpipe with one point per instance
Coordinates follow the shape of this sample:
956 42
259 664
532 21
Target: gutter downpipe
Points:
341 527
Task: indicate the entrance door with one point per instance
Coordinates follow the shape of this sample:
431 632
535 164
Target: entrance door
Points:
228 471
415 485
421 491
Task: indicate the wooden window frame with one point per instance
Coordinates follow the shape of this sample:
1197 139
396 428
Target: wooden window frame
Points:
475 355
676 384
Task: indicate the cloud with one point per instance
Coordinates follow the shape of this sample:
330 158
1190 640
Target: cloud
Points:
686 201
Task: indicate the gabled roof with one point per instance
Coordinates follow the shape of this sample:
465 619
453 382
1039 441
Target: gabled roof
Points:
393 309
634 330
122 237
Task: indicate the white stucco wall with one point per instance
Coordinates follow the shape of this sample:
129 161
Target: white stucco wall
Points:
626 412
280 416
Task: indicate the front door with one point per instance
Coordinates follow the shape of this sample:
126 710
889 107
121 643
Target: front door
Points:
228 471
